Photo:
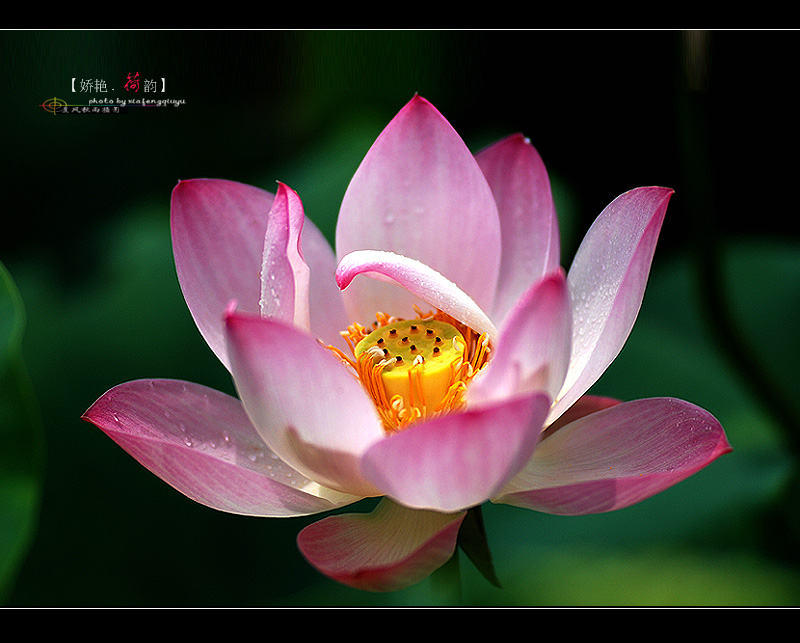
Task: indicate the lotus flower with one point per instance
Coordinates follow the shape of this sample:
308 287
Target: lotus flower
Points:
438 360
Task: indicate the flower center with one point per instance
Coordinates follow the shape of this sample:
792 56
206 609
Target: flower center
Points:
415 369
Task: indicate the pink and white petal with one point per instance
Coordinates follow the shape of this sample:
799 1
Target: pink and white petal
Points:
201 442
328 317
458 460
427 285
303 401
387 550
528 223
585 405
533 351
284 272
218 240
606 283
617 457
420 193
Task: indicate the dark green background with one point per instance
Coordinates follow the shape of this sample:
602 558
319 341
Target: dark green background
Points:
86 241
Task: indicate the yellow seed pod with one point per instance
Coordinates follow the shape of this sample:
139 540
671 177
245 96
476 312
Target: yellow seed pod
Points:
417 360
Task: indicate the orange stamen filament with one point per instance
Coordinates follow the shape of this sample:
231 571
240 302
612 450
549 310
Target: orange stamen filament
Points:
414 369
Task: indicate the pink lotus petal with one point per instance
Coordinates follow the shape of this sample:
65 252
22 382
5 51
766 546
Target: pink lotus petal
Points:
531 243
303 401
284 273
606 283
218 240
585 405
387 550
328 317
533 351
420 193
616 457
426 284
201 442
458 460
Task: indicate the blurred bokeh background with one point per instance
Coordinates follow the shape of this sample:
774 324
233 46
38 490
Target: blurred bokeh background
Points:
89 297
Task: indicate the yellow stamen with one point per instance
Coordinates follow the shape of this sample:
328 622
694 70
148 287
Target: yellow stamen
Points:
414 369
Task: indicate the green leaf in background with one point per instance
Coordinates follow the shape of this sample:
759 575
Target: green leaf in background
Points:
20 434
